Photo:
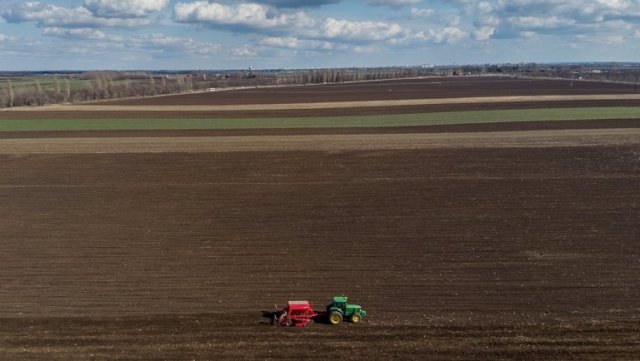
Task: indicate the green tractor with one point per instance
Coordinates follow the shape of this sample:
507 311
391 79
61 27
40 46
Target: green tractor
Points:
338 310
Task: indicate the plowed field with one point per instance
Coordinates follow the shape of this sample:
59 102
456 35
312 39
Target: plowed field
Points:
427 88
503 241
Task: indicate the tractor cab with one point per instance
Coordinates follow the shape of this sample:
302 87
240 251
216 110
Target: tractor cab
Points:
339 309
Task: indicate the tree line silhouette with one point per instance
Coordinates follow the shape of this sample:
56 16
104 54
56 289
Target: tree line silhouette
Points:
36 90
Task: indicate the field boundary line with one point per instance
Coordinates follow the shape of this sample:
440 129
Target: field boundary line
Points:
328 143
321 105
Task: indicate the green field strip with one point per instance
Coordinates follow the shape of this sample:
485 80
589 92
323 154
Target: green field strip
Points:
399 120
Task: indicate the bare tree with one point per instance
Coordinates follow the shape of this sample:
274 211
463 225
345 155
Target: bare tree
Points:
38 86
152 85
67 90
57 85
12 94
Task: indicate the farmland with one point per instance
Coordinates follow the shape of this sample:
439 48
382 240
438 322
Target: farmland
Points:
503 230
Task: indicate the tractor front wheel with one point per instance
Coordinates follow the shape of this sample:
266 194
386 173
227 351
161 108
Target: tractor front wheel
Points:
335 317
355 318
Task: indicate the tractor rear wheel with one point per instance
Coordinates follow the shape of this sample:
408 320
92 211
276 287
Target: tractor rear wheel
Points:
335 317
355 318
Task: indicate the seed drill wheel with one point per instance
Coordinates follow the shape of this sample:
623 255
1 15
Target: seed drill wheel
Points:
356 318
335 317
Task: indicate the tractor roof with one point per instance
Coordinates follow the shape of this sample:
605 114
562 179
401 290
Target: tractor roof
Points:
340 299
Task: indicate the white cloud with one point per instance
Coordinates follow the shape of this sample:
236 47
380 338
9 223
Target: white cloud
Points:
244 51
540 22
155 43
265 20
359 30
393 3
528 34
297 3
484 33
487 19
281 42
246 16
449 35
163 43
369 49
55 16
124 8
421 13
602 39
5 38
77 33
573 12
295 43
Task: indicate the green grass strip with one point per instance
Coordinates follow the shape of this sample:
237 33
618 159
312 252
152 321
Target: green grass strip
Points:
399 120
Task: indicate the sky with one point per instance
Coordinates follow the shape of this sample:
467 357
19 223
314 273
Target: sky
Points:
273 34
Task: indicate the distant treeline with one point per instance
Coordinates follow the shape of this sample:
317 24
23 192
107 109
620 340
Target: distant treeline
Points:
88 87
73 88
40 89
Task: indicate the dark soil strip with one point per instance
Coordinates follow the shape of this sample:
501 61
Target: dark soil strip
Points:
389 90
448 128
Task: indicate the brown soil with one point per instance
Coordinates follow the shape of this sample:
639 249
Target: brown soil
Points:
453 128
324 142
481 253
500 241
428 88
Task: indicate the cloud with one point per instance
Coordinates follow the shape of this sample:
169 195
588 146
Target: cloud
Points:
124 8
396 4
513 18
281 42
163 43
4 38
54 16
77 33
265 20
540 22
602 39
581 11
306 45
484 33
298 3
243 17
359 30
296 30
296 43
154 43
449 35
244 51
421 13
